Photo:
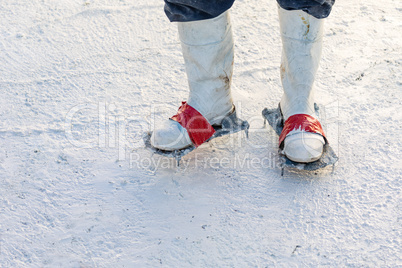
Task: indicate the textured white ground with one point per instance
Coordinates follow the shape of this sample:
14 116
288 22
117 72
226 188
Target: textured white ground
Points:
80 81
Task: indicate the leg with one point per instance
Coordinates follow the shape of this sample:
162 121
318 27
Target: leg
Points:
301 53
208 54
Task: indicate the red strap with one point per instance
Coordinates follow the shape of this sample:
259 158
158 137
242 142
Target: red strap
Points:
302 122
197 126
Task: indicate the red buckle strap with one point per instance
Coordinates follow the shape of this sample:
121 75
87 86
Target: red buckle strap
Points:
303 122
197 126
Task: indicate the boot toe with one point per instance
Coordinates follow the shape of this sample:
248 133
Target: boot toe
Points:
303 147
170 136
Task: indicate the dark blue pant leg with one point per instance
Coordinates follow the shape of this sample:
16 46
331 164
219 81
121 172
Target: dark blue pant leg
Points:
190 10
317 8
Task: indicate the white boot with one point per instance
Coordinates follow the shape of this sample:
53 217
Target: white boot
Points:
208 54
302 43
